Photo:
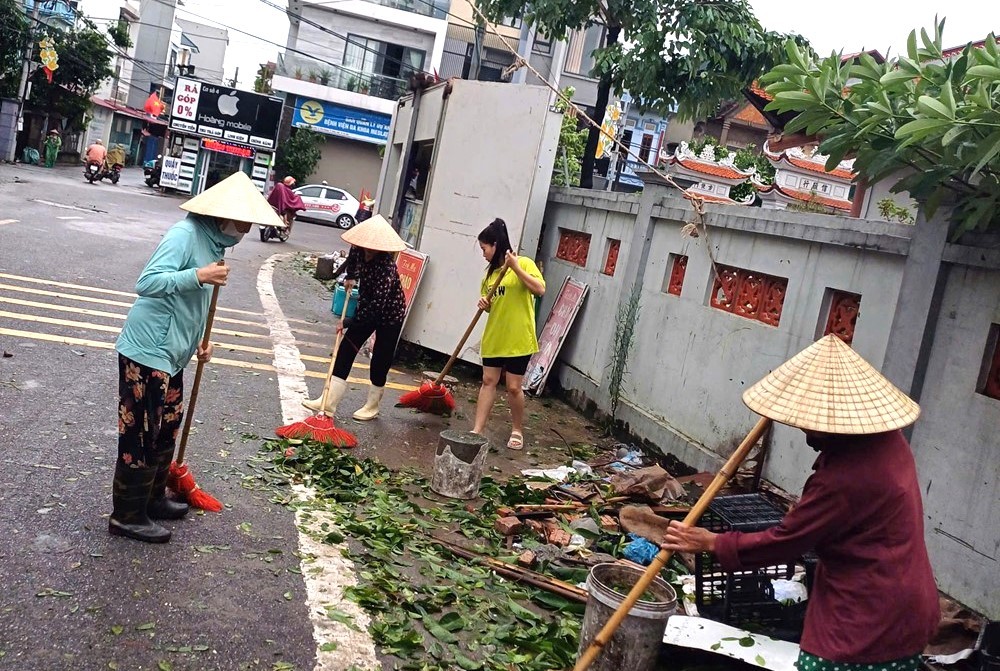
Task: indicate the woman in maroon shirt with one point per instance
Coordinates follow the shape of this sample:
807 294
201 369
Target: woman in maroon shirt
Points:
874 602
381 309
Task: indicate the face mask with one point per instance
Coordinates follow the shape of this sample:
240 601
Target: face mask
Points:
229 228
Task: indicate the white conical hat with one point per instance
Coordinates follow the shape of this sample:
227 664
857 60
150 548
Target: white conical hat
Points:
829 388
376 234
235 198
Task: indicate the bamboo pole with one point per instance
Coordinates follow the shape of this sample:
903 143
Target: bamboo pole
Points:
723 476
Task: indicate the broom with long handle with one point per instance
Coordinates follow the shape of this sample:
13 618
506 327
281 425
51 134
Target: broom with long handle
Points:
723 476
434 397
321 427
180 479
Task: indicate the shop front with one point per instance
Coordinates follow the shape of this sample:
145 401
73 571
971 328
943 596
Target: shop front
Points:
216 131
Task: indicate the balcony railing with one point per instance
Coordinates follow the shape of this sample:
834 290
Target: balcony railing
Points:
343 78
63 10
432 8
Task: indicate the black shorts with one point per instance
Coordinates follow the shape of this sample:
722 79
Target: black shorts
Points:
515 365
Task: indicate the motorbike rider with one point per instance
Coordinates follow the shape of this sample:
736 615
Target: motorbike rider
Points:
96 153
285 201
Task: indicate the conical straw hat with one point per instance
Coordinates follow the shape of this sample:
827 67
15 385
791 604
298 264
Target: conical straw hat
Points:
375 234
829 388
235 198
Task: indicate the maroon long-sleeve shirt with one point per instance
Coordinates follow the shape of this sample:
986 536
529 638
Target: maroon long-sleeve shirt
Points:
874 598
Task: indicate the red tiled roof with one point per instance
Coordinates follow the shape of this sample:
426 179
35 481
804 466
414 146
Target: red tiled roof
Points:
809 197
127 111
707 168
954 51
749 114
816 167
756 89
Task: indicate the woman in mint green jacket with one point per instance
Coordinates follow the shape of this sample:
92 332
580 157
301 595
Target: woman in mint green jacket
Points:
161 333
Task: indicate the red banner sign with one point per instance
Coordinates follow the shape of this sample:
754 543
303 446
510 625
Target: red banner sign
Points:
410 265
554 332
227 148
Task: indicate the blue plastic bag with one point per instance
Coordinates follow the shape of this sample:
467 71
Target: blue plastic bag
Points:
641 551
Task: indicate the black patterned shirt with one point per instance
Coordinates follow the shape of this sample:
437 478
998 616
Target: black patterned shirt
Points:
380 294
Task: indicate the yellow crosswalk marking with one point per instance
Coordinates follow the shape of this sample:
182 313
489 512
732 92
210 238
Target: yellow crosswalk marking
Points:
113 292
105 301
82 342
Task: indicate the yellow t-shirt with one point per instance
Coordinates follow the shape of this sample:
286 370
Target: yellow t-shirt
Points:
510 328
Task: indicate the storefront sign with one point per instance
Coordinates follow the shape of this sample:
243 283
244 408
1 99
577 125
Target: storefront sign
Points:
228 148
410 264
553 334
223 113
170 171
342 121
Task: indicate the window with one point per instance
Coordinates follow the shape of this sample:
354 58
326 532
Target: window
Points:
511 21
749 294
382 58
842 314
676 269
334 194
989 378
611 256
645 148
541 44
580 51
311 192
574 247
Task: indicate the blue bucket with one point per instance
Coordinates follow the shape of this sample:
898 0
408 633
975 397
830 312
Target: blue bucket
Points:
338 302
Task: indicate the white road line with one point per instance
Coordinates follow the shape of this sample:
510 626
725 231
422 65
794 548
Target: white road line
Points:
324 587
69 207
69 218
7 221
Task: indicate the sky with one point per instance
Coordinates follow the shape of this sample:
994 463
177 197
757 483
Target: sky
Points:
847 25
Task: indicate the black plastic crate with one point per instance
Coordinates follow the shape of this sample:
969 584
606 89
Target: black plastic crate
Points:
744 598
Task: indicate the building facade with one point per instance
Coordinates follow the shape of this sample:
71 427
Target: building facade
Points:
343 69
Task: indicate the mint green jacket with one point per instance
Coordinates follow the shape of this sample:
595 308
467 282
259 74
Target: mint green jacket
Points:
164 327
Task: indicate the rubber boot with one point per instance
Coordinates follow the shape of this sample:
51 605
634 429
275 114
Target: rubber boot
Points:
160 506
370 409
338 388
130 494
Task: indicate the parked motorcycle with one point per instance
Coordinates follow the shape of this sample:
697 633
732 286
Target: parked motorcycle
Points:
95 172
152 169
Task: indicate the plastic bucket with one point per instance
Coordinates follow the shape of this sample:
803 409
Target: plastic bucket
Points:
635 645
338 302
458 464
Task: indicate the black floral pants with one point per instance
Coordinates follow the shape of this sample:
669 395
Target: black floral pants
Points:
150 407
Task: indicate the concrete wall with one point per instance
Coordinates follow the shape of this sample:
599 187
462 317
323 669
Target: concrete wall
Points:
209 61
152 47
691 362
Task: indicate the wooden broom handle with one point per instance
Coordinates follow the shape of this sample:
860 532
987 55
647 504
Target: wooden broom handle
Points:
468 331
721 478
205 339
333 356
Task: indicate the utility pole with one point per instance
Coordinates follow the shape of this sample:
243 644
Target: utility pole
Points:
25 72
477 50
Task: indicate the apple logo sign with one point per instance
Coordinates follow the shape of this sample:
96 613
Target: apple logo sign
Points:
228 104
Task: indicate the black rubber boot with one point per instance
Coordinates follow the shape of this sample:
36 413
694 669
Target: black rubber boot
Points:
130 494
162 507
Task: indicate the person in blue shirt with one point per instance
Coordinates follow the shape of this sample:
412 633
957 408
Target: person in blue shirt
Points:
161 333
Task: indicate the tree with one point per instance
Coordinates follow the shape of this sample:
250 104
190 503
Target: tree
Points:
84 62
300 154
14 25
572 140
933 117
262 83
674 55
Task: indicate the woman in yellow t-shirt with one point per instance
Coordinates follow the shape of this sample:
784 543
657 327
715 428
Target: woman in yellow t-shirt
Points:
509 339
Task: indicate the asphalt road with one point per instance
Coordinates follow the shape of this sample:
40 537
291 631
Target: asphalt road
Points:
226 592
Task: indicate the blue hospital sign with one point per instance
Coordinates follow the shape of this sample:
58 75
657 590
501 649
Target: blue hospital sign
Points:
342 121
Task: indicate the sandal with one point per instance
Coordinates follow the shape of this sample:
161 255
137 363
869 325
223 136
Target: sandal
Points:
516 441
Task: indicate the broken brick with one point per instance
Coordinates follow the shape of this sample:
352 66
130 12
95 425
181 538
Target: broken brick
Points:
609 523
559 537
505 512
526 559
507 526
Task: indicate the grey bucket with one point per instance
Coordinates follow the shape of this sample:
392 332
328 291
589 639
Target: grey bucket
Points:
636 643
458 464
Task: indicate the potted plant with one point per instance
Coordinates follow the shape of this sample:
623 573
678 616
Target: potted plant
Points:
313 77
352 84
365 86
298 73
324 76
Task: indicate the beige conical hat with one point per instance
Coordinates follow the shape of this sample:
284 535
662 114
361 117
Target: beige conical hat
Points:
829 388
376 234
235 198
